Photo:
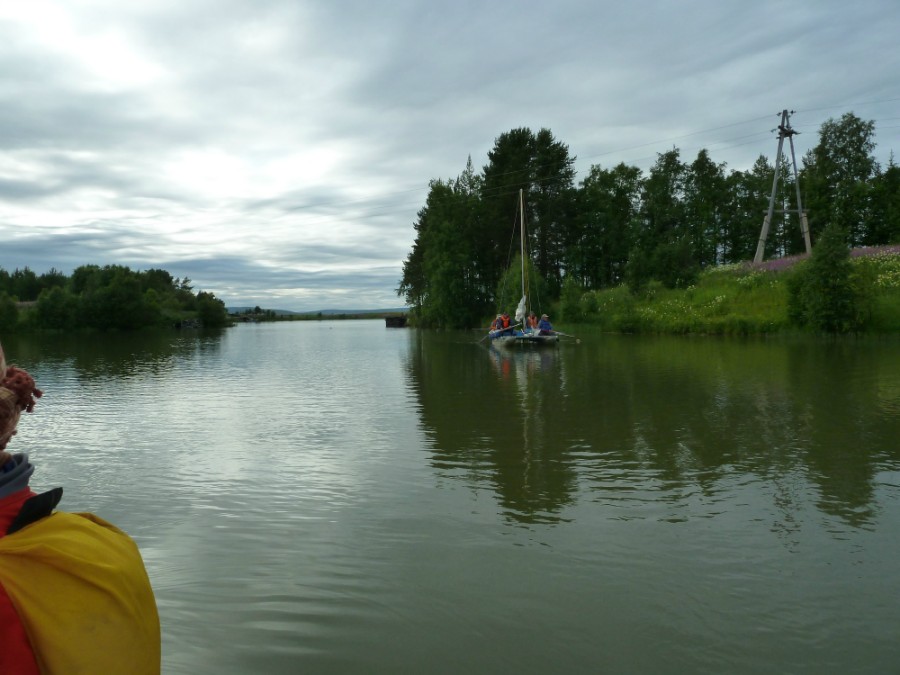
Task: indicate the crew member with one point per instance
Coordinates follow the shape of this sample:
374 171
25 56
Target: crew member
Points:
74 593
544 325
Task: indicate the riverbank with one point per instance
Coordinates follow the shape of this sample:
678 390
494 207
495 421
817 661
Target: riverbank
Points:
739 299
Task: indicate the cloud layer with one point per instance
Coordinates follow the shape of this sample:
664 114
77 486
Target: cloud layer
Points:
277 151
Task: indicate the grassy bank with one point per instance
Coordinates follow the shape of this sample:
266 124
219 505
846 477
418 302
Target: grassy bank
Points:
740 300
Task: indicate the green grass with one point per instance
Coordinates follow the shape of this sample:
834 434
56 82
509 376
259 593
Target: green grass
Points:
738 300
878 280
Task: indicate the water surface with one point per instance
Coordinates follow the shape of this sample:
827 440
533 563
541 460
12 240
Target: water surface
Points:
339 497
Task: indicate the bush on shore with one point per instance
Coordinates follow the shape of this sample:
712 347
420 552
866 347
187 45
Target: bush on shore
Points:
109 298
837 292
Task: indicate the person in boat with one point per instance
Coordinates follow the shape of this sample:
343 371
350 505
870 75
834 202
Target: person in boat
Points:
506 324
74 593
544 325
532 322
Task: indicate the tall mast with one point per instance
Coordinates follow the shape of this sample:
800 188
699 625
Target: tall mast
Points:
522 240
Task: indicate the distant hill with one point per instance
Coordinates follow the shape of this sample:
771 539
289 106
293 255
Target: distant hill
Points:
323 312
396 310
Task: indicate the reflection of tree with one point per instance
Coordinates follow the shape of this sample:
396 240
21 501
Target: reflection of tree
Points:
112 355
674 421
699 410
532 479
490 417
847 437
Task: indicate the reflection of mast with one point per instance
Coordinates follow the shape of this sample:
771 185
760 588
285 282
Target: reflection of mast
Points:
531 480
524 392
784 131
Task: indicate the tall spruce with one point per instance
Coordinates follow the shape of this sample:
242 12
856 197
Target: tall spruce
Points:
884 222
541 166
705 203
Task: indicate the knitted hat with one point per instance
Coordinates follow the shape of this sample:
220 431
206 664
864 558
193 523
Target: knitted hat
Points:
17 393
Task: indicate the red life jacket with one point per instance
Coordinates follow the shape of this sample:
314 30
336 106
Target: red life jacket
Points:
16 655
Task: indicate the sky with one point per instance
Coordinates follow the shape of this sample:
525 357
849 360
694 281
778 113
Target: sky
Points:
276 152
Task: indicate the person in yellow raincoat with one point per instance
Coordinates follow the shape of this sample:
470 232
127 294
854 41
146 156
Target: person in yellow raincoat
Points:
74 594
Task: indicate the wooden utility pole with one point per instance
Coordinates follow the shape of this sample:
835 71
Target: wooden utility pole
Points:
784 131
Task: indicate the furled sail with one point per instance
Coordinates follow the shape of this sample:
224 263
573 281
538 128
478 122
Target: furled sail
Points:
520 310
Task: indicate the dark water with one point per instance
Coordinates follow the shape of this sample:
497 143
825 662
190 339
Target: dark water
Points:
338 497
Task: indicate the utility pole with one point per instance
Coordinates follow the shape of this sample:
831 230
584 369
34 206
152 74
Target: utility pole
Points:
784 131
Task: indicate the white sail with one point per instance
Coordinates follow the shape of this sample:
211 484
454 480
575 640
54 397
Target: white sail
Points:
520 310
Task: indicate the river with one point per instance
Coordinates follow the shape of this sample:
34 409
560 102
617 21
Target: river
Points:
342 497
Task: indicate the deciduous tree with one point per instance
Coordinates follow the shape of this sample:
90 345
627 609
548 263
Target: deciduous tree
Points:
609 201
837 175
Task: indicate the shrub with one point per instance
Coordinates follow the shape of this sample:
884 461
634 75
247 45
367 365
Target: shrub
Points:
674 264
570 300
638 270
211 311
9 313
821 293
56 309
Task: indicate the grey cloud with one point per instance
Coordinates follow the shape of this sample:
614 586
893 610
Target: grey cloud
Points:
407 91
20 190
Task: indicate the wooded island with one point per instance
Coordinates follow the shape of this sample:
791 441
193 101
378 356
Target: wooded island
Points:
112 297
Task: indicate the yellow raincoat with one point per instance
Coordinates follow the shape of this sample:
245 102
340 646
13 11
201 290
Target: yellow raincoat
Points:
80 588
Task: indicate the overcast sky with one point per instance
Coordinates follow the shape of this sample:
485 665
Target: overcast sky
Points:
276 151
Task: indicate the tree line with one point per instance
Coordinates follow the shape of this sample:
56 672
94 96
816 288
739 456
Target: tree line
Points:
112 297
619 226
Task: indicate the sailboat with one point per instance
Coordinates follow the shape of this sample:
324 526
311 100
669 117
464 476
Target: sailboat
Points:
525 336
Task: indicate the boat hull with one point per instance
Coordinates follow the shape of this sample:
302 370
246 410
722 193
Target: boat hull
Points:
525 340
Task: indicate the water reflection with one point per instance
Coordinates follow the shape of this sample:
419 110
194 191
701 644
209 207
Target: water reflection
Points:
668 428
486 413
336 497
532 483
112 355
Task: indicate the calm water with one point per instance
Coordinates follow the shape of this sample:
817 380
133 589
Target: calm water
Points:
338 497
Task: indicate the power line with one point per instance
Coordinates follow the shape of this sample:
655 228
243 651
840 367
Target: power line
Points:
850 105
